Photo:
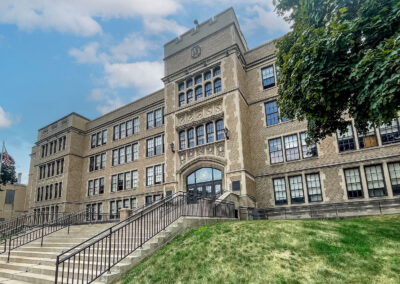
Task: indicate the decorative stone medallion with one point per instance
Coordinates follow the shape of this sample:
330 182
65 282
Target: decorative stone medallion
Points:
196 51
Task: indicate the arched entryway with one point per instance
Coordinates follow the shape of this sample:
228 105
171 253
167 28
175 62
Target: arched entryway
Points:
204 182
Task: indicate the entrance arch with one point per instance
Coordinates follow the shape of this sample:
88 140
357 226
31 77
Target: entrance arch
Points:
204 182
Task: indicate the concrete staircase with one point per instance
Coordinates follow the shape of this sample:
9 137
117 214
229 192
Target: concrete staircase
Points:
32 263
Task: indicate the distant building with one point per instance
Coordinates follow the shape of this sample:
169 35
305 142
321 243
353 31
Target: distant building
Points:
215 127
12 201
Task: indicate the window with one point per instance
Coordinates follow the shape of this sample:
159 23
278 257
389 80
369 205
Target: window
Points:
126 203
128 151
210 132
182 140
198 79
189 83
375 181
190 134
217 86
390 132
296 189
394 171
129 128
217 71
280 191
116 132
310 150
128 181
207 75
346 139
115 157
353 183
150 147
99 139
113 210
200 135
135 152
51 148
136 125
96 186
98 162
122 131
93 143
104 133
101 189
314 188
90 187
133 203
271 111
56 190
199 92
291 147
120 182
158 174
159 117
181 86
59 189
149 200
268 77
134 179
114 183
181 99
208 88
220 129
150 176
103 161
150 120
368 139
122 156
189 95
275 150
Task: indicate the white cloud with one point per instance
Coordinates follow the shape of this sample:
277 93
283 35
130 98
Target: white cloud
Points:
110 105
158 25
86 54
77 16
5 119
107 100
144 76
266 18
132 46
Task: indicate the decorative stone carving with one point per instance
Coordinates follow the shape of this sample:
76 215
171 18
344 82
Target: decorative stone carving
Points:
196 51
214 149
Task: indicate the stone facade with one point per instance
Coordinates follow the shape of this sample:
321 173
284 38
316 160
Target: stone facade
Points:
215 57
12 201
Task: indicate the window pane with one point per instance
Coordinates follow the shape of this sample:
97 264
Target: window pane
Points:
135 152
181 99
217 71
116 132
128 183
308 151
134 179
159 117
375 181
296 189
394 170
182 140
104 137
217 86
203 175
150 147
200 135
208 88
271 111
210 132
122 131
181 86
207 75
136 125
189 95
129 128
198 79
314 188
199 93
220 130
291 147
275 150
268 77
122 155
159 145
158 174
120 182
190 138
346 139
115 157
390 132
150 176
280 191
189 83
353 183
150 120
128 152
368 139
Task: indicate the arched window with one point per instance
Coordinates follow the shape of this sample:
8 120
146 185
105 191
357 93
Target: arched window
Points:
199 92
189 96
181 99
217 85
204 182
181 86
207 75
189 83
217 71
208 88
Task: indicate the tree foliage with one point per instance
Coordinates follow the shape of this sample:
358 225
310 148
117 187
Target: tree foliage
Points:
340 61
8 174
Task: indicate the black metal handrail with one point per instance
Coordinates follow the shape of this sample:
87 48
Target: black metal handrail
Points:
87 262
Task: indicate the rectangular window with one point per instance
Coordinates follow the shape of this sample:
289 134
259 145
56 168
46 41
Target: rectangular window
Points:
134 179
271 112
114 183
280 191
56 190
93 144
275 150
136 125
190 134
210 132
122 155
128 151
120 182
116 132
101 189
159 117
99 139
150 147
220 130
181 99
96 186
182 140
394 171
296 189
126 203
291 147
150 120
113 210
128 183
98 162
103 160
59 189
104 136
149 200
122 131
159 145
353 183
129 125
375 181
314 188
115 157
268 77
200 135
133 203
346 139
91 164
158 174
390 132
135 152
149 176
368 139
310 150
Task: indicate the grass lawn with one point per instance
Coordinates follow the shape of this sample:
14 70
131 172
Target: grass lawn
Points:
360 250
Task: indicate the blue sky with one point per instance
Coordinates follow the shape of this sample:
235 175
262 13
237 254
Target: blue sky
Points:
92 56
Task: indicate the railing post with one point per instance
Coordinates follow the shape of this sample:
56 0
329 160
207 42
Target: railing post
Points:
109 253
41 242
9 249
57 261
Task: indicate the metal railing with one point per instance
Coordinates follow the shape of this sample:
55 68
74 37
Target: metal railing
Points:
87 261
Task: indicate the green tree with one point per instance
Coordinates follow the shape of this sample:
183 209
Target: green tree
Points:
340 61
8 174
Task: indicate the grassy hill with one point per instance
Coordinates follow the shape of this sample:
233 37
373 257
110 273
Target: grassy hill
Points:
361 250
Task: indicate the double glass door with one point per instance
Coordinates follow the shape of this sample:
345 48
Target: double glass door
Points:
204 183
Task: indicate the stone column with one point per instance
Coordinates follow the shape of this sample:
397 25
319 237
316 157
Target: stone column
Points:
124 213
